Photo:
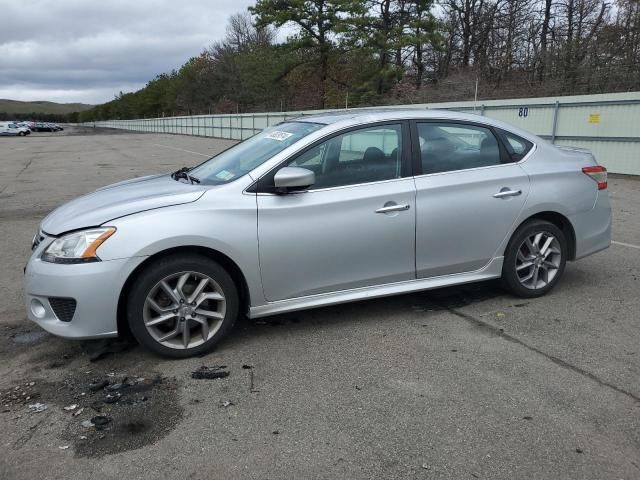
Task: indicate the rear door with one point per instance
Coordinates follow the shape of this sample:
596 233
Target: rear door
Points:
469 194
354 227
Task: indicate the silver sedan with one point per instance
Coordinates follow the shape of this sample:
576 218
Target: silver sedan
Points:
316 211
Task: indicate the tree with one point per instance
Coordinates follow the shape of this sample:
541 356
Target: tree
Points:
318 22
544 34
388 51
422 34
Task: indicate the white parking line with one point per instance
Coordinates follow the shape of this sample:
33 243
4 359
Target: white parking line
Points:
630 245
182 150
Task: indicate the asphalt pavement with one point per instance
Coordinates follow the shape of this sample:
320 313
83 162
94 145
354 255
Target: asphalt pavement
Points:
454 383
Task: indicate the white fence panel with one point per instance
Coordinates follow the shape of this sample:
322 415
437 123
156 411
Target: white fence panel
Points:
607 124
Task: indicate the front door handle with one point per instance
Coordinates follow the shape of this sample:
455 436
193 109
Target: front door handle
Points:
393 208
505 192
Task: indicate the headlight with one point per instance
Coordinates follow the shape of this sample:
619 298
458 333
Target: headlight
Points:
77 247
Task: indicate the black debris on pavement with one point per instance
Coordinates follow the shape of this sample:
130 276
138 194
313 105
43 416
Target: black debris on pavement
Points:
112 397
98 385
133 418
100 421
210 373
115 386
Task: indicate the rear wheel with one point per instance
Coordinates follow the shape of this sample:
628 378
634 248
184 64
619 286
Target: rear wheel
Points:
534 259
182 305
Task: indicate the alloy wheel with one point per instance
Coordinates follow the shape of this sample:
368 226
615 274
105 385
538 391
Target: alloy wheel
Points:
184 310
538 260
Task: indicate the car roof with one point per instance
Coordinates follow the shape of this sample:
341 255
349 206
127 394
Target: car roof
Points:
371 115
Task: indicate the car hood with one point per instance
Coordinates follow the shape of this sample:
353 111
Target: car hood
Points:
119 200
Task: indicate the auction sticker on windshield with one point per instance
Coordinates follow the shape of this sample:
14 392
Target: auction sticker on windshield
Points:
278 135
224 175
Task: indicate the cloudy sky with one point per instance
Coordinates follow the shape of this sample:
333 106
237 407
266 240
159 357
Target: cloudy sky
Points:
88 51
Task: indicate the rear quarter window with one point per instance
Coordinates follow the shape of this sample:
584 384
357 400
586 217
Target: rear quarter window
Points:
516 146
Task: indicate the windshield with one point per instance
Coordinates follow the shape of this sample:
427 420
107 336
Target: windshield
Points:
245 156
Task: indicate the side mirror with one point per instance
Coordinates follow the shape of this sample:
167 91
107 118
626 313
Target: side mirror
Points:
289 179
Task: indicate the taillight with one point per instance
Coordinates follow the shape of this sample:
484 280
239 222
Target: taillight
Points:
599 175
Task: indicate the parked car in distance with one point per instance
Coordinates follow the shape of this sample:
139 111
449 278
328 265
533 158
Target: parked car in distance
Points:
12 129
46 127
42 127
23 129
316 211
8 129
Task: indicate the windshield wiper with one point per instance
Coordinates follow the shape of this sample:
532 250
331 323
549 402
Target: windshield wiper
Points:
184 173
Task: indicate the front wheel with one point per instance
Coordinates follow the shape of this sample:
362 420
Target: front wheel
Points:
534 259
182 305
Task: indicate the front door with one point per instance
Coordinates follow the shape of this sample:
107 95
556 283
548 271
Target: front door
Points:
354 227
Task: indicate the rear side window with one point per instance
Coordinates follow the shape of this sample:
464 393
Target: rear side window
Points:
447 147
516 146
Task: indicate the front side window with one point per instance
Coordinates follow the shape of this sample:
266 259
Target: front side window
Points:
446 147
361 156
253 152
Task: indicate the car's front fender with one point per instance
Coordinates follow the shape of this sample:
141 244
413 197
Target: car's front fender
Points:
229 228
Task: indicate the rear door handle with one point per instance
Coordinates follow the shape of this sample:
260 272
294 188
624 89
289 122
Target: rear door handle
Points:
505 192
393 208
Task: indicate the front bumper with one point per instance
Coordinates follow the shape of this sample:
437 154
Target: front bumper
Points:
95 287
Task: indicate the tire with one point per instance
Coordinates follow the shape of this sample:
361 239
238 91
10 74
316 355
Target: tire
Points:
149 302
524 255
21 134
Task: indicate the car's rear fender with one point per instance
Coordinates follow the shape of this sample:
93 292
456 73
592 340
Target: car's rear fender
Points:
559 187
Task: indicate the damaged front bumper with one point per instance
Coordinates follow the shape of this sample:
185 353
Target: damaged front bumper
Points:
76 301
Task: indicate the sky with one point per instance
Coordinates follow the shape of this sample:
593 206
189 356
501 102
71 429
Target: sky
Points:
88 51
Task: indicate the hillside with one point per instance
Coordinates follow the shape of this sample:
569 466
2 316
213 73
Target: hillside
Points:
15 106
